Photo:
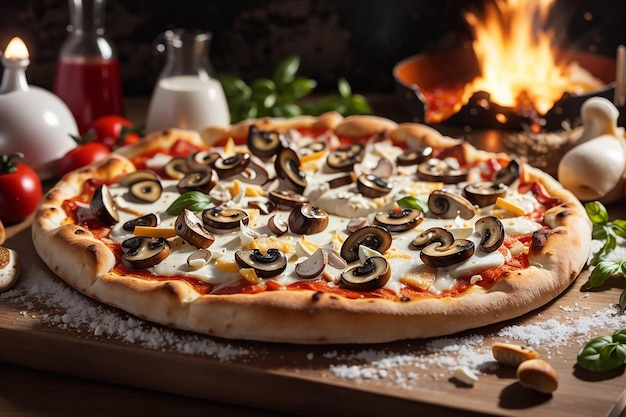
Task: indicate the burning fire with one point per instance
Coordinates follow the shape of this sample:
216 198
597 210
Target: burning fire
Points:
517 59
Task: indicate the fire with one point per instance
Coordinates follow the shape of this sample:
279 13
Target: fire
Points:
517 57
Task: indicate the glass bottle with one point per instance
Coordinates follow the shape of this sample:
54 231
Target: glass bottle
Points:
87 76
187 94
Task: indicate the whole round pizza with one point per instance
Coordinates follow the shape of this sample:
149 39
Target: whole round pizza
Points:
314 230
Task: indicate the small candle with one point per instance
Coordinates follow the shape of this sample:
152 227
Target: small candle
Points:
15 61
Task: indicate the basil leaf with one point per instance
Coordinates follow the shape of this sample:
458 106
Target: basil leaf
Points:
286 70
344 88
603 271
620 336
192 200
589 355
412 202
622 302
300 87
597 212
286 110
619 227
598 232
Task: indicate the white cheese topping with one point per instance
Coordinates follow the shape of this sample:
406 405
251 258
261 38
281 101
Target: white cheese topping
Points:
343 203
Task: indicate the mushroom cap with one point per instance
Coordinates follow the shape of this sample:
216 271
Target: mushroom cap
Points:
141 252
399 220
492 233
305 219
437 256
595 169
374 237
270 264
448 205
371 275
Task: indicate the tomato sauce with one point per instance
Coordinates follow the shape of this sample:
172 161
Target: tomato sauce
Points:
182 148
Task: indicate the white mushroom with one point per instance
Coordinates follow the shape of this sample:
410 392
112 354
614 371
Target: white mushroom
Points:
595 168
10 267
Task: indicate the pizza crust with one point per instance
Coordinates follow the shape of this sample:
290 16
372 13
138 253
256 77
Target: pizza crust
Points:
305 316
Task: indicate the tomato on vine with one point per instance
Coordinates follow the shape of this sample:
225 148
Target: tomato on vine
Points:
114 131
86 152
20 189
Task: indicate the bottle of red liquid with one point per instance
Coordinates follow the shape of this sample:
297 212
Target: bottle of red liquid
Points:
88 75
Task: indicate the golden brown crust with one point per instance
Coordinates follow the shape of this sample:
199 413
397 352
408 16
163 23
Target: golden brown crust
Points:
305 316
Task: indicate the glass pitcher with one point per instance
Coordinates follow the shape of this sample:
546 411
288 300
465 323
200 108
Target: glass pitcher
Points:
187 94
87 75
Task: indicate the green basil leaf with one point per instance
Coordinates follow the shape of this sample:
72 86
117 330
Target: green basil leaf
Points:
412 202
286 110
344 88
612 356
597 212
598 232
620 336
192 200
603 271
359 105
286 70
269 101
234 86
622 303
619 227
589 355
263 87
299 88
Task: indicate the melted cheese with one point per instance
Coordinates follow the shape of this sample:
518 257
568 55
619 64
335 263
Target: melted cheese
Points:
345 202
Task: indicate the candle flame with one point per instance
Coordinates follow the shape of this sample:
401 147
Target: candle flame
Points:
16 49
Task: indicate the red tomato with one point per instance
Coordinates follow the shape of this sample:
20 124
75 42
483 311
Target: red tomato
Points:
82 155
113 131
20 189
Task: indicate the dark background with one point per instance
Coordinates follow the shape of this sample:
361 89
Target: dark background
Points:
360 40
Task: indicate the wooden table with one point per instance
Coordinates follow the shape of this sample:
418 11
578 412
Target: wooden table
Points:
48 370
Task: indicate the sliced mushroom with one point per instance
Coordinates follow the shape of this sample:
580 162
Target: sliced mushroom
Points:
232 165
414 156
437 256
448 205
254 173
189 227
491 233
150 220
343 159
373 274
10 268
266 265
341 180
305 219
334 257
202 160
484 193
356 223
146 191
199 258
263 144
103 206
385 168
313 147
374 237
224 219
373 186
509 174
141 252
313 266
277 224
444 237
399 220
263 204
203 180
132 177
177 168
287 166
287 198
447 171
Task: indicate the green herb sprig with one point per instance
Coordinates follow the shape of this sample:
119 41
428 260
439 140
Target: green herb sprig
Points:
604 353
192 200
278 95
608 231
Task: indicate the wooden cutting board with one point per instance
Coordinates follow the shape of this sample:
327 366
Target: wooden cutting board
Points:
43 327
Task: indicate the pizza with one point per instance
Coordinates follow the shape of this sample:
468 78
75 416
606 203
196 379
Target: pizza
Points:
314 230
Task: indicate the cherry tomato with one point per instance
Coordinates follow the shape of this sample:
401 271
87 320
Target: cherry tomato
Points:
113 131
81 155
20 189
